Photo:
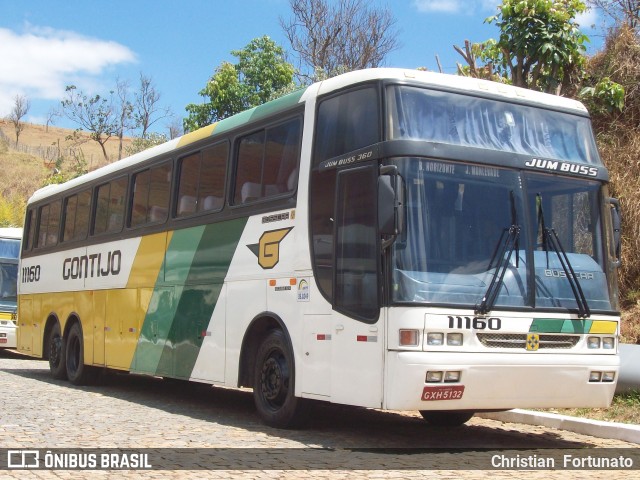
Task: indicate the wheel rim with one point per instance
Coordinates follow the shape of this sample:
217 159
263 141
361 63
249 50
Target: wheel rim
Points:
55 351
275 379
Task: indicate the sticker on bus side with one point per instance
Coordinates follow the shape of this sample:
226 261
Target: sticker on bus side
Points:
442 392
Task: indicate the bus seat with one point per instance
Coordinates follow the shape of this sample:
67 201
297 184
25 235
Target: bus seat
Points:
292 181
212 202
157 214
250 191
187 205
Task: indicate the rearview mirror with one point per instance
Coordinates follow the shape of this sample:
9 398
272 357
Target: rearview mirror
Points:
390 202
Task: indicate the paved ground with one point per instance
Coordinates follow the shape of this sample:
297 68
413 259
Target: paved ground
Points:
133 412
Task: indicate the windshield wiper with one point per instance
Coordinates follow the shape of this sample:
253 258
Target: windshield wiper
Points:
550 239
508 242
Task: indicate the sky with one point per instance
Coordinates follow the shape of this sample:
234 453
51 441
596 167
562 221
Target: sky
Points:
46 45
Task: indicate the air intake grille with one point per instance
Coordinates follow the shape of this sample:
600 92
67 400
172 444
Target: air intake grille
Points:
519 340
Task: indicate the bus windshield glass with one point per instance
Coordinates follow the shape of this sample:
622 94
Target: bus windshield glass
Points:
421 114
9 251
467 225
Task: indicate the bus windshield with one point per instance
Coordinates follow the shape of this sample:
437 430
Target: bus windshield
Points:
9 251
421 114
460 219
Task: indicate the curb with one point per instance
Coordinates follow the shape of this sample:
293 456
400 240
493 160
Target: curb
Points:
594 428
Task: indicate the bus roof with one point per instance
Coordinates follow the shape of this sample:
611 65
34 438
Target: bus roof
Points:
431 79
11 232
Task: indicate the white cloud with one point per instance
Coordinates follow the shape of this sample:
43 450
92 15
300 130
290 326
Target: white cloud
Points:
454 6
42 61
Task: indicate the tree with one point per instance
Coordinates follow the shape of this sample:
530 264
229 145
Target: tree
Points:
621 11
146 105
21 106
95 114
331 39
540 46
260 75
124 120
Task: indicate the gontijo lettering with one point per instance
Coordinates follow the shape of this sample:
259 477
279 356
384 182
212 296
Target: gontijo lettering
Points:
94 265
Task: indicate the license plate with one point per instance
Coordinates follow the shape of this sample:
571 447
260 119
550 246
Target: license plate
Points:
442 392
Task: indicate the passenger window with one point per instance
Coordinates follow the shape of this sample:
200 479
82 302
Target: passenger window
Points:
29 227
49 224
110 206
151 192
202 180
267 163
76 216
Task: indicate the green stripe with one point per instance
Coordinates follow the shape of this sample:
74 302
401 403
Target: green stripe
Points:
164 301
196 265
554 325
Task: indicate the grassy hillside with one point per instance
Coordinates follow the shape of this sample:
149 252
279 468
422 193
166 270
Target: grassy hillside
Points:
26 166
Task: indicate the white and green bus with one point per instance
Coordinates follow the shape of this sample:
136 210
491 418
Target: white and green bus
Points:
386 238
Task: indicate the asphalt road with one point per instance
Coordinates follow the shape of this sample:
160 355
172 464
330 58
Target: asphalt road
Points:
197 431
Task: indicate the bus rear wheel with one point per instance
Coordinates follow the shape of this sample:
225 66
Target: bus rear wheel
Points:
56 352
77 372
273 388
446 418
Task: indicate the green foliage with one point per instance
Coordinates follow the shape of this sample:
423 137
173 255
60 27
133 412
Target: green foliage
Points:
606 96
64 172
260 74
140 144
540 46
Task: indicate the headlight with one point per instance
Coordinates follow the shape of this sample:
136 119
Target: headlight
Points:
595 376
452 376
435 339
434 377
593 342
608 343
608 376
454 339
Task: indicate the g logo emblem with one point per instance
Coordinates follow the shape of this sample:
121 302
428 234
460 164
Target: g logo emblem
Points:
268 249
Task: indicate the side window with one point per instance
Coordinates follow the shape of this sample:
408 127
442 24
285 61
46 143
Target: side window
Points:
48 224
347 122
110 203
151 192
76 216
267 162
202 180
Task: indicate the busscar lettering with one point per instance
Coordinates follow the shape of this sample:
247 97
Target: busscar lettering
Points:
94 265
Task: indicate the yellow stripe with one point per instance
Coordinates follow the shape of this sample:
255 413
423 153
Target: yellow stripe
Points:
197 135
5 316
149 258
602 326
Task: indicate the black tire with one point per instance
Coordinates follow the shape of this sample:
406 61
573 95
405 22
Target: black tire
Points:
77 372
445 418
56 353
273 384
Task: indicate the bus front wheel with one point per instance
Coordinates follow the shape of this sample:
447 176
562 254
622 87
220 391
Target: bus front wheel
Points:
56 352
273 388
445 418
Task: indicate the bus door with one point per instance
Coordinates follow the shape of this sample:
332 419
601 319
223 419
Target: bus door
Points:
358 341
